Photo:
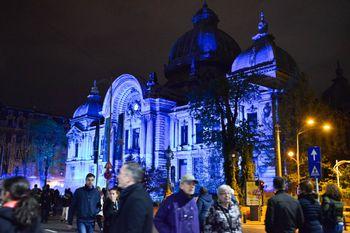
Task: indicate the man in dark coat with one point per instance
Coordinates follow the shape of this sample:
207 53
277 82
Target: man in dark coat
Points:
86 204
135 213
204 202
284 213
179 213
45 203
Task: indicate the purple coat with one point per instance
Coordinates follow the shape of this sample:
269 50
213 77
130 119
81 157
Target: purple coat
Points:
177 214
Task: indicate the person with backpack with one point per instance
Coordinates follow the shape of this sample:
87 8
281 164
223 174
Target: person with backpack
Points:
332 210
311 209
20 211
204 203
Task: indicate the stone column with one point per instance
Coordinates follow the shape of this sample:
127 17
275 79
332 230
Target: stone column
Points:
171 133
142 139
190 132
150 141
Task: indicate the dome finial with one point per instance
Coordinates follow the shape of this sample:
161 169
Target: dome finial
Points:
339 70
262 26
205 5
94 89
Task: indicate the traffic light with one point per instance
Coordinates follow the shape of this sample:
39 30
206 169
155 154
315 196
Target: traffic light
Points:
261 185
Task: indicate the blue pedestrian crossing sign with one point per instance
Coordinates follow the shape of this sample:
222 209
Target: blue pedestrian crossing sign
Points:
314 158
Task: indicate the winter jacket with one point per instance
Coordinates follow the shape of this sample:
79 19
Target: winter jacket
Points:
283 214
46 199
66 200
204 203
177 214
86 204
8 223
109 211
312 214
223 220
135 213
331 207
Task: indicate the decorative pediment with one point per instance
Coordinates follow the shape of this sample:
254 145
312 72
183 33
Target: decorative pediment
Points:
75 134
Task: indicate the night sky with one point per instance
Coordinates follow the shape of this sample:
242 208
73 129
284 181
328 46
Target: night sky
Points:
51 51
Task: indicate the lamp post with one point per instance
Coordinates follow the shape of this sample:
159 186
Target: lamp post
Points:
336 169
311 123
169 156
291 156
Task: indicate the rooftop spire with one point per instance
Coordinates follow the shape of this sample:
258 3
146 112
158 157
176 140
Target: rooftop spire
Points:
94 89
339 70
263 27
205 5
205 16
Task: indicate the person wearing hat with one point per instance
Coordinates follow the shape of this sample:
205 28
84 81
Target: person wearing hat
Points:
178 213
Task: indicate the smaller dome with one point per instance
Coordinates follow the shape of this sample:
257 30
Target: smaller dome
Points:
264 57
92 107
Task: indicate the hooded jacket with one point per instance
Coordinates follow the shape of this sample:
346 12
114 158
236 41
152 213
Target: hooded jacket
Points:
8 223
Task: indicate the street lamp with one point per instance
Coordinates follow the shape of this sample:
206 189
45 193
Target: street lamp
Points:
169 156
311 123
336 168
291 156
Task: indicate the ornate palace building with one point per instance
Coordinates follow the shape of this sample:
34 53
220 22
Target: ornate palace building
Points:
144 118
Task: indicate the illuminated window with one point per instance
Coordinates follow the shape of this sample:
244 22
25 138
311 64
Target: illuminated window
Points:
76 150
135 138
126 139
199 133
252 119
184 135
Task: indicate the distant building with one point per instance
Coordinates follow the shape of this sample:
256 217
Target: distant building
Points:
146 117
15 144
337 96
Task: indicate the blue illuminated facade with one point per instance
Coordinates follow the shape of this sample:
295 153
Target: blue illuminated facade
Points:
144 118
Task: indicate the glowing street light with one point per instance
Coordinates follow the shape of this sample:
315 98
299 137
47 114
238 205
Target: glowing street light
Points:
290 154
326 127
310 121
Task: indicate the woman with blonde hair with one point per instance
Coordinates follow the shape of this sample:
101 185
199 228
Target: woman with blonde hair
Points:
224 216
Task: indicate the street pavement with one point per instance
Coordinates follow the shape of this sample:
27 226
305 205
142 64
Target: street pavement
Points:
54 225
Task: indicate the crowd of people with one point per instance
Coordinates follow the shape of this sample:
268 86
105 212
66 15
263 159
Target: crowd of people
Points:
128 208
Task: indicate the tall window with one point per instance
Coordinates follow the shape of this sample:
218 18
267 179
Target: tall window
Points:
184 135
76 149
126 139
252 119
135 138
199 133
